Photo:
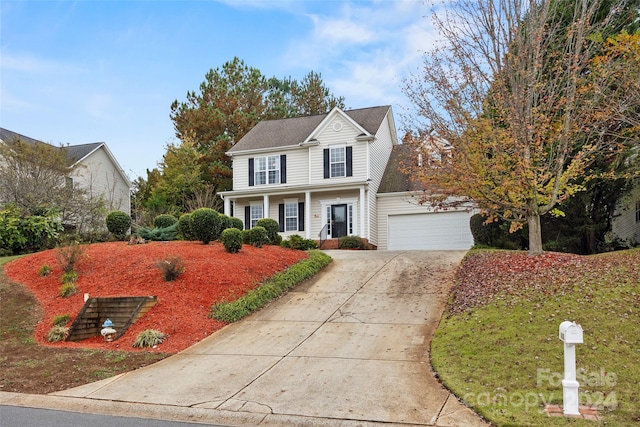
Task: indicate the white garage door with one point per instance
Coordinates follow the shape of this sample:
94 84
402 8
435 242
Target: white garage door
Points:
430 231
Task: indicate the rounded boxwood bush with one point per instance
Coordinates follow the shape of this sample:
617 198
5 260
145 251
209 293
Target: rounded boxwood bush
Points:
118 223
184 227
164 221
206 225
272 227
257 236
232 240
236 223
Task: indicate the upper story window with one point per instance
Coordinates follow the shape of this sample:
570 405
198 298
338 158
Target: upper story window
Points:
338 161
267 170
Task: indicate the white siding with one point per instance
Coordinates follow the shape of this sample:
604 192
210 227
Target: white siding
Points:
297 169
380 150
100 176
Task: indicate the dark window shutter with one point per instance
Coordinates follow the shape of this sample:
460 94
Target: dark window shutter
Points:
301 216
247 217
251 174
326 163
281 217
349 161
283 169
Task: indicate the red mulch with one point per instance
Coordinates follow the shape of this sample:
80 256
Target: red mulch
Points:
117 269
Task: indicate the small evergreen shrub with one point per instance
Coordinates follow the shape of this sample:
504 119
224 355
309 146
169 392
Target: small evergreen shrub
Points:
184 227
225 222
68 289
69 277
206 225
45 270
257 236
158 234
149 338
118 223
232 240
236 223
60 319
57 334
351 242
299 243
272 227
164 221
171 268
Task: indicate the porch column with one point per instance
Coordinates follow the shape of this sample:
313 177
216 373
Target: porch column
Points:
363 228
307 214
227 206
265 212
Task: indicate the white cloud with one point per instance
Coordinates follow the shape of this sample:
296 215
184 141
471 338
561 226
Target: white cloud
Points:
33 64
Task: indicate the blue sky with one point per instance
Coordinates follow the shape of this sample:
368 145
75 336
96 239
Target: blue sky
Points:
89 71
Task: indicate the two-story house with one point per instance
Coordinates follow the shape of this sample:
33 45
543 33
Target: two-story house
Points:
93 168
321 175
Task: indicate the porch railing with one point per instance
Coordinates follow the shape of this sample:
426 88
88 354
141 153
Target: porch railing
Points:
324 233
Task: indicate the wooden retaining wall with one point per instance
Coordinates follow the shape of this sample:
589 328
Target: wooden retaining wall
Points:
123 312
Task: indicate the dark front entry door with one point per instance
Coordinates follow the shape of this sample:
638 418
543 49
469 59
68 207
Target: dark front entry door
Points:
338 221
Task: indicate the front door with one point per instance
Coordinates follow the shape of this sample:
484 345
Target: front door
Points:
338 221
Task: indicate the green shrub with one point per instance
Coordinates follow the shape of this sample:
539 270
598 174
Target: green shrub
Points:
69 253
69 277
298 242
21 232
45 270
57 334
206 225
272 227
236 223
118 223
350 242
158 234
171 268
257 236
149 338
164 221
184 227
225 222
60 319
68 289
232 240
270 289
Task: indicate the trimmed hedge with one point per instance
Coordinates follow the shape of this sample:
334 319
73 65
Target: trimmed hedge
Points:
272 288
232 240
164 221
236 223
257 236
298 242
351 242
272 227
118 223
206 225
184 227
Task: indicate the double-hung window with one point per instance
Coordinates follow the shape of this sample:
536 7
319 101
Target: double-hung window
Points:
337 161
256 214
267 170
291 216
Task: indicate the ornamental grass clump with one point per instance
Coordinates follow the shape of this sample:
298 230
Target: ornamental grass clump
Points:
171 268
45 270
149 338
57 333
68 289
60 320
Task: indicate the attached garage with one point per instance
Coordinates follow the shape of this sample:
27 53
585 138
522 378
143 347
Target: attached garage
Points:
430 231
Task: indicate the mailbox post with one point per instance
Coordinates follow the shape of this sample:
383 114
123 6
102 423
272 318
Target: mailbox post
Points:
570 334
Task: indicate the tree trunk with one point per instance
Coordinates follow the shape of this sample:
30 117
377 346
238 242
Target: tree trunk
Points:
535 234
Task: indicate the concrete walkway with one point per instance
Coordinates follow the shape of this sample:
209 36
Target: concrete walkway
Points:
348 348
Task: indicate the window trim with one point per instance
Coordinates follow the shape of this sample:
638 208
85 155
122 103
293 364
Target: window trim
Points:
253 219
343 162
295 204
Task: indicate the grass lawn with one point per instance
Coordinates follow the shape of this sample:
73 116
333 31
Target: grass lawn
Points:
497 345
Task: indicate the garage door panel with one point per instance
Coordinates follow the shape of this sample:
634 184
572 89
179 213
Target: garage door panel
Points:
430 231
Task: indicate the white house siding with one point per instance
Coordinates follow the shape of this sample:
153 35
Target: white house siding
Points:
399 204
624 226
297 168
99 175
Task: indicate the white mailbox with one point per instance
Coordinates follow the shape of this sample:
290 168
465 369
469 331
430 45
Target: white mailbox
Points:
571 333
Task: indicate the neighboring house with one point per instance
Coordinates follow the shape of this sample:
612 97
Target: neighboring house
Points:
321 176
94 168
626 222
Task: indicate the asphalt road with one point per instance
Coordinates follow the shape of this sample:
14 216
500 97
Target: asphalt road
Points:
14 416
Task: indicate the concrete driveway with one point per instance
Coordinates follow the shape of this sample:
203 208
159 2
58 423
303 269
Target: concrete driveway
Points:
348 348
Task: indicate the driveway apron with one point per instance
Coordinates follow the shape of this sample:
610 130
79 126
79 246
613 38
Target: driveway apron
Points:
349 347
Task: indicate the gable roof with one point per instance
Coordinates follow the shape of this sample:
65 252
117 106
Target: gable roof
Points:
294 131
77 153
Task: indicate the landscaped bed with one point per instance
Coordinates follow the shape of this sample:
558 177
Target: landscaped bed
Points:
211 275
